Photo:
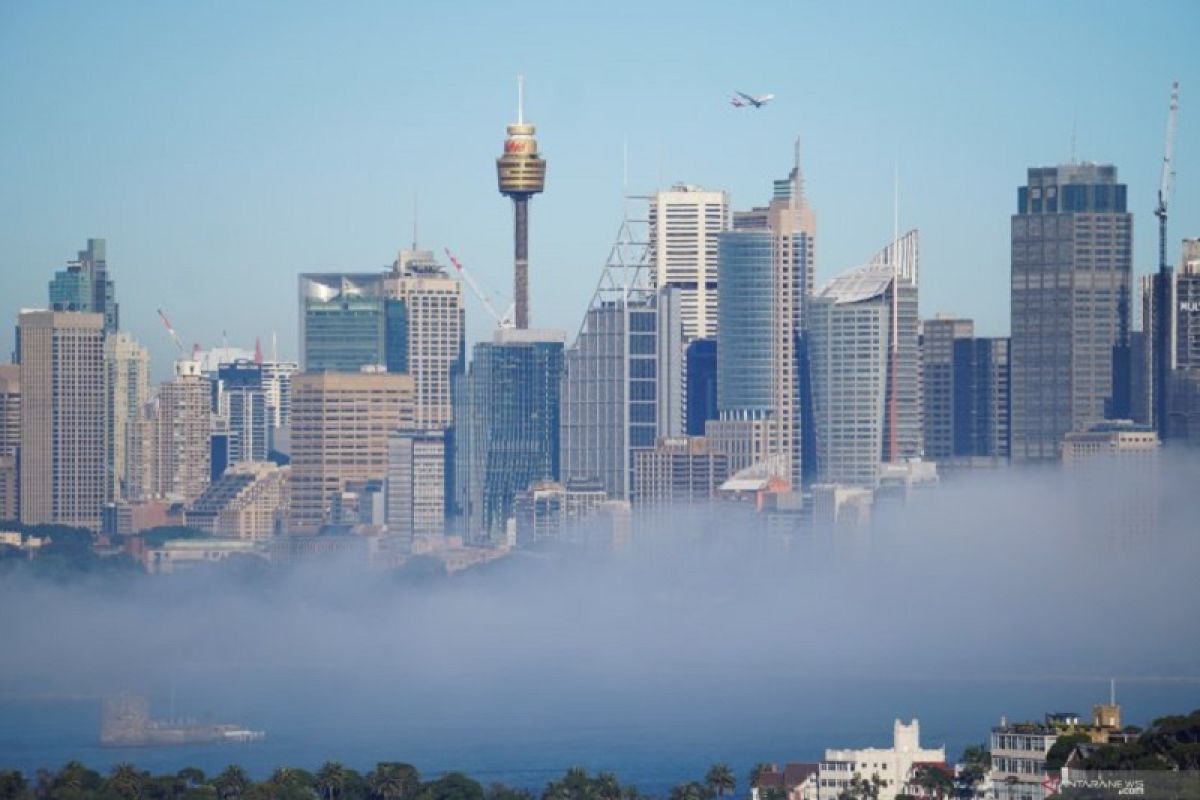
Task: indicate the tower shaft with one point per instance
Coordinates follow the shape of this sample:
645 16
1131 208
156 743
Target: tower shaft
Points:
521 259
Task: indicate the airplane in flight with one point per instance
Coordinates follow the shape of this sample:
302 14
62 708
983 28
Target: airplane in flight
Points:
741 100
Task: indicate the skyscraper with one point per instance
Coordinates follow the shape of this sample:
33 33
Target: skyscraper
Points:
127 388
10 441
1071 272
864 356
624 373
435 318
181 428
244 409
507 435
965 393
946 404
63 452
85 286
684 224
766 275
701 392
416 485
1183 397
340 428
347 323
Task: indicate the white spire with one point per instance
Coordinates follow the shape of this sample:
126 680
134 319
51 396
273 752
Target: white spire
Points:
520 99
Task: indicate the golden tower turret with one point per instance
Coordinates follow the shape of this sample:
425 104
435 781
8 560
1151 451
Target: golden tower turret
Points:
521 173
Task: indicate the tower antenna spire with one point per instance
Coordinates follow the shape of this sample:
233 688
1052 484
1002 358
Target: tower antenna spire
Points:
520 99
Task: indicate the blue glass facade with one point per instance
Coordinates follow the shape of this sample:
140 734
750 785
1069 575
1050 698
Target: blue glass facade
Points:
746 322
347 323
508 431
84 285
701 384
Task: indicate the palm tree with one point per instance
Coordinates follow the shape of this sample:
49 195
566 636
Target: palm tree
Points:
232 782
607 786
976 761
720 779
692 790
757 773
392 781
126 781
331 780
932 781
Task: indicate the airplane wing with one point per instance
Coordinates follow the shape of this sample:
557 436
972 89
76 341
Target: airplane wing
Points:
747 97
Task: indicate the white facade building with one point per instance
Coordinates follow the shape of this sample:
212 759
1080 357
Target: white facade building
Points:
684 223
892 765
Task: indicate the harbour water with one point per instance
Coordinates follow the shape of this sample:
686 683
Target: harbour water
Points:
648 735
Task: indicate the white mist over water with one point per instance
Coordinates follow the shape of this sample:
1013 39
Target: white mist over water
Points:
1001 593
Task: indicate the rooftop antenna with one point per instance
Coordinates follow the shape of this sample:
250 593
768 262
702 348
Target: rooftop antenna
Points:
796 188
274 348
416 209
1112 691
520 99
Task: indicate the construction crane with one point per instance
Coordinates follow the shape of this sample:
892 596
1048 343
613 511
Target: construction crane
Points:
504 320
174 336
1163 312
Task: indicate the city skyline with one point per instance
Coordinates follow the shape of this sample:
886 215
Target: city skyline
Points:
201 194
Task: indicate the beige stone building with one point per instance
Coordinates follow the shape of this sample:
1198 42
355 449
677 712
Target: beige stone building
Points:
169 443
62 472
679 471
340 428
246 502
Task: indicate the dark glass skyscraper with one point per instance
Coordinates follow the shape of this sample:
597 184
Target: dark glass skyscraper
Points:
507 429
1071 273
701 384
347 323
85 286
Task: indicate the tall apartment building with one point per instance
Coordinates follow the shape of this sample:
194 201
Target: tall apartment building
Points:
865 367
435 318
507 434
84 285
10 441
63 447
679 471
623 386
277 383
1072 273
181 426
127 388
340 428
766 273
684 224
416 485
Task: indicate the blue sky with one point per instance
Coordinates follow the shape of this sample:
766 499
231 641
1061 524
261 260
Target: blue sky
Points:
223 147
